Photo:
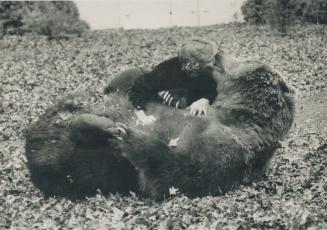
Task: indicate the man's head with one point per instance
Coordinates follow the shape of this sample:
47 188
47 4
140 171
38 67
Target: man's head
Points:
196 55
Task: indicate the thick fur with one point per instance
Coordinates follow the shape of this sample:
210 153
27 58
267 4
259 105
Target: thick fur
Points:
234 143
253 112
68 158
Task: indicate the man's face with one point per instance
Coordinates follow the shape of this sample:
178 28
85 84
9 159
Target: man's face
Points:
195 67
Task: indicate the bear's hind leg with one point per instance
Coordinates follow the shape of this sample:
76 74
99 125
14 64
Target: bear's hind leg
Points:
159 166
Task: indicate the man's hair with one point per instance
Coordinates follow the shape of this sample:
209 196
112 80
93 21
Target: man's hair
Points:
195 53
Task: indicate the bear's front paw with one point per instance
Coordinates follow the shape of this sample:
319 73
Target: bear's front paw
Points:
120 131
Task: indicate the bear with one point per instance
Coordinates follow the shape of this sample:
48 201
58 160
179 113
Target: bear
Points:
78 147
121 84
68 152
254 110
180 97
177 81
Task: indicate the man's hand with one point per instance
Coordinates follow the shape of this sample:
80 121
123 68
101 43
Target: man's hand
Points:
200 107
144 119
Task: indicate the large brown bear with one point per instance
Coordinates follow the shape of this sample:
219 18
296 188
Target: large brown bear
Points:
90 149
68 151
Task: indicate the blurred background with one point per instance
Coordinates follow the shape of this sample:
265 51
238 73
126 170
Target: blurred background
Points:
158 13
66 18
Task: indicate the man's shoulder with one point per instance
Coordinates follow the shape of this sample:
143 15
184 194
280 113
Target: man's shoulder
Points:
168 63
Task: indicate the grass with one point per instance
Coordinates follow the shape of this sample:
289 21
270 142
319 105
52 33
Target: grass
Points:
35 72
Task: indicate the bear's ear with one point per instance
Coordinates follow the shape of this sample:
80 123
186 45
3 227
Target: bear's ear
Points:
108 89
286 88
231 65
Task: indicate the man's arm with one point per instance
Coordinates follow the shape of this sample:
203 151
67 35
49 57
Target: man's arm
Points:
145 89
205 87
182 97
210 95
179 98
204 93
141 92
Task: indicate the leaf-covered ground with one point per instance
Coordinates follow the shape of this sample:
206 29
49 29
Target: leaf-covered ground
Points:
35 72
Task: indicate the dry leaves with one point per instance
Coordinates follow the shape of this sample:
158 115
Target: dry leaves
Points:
35 73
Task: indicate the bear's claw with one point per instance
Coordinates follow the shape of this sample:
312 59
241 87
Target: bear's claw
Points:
122 131
121 125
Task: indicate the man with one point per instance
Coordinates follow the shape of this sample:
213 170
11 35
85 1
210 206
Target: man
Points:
179 81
